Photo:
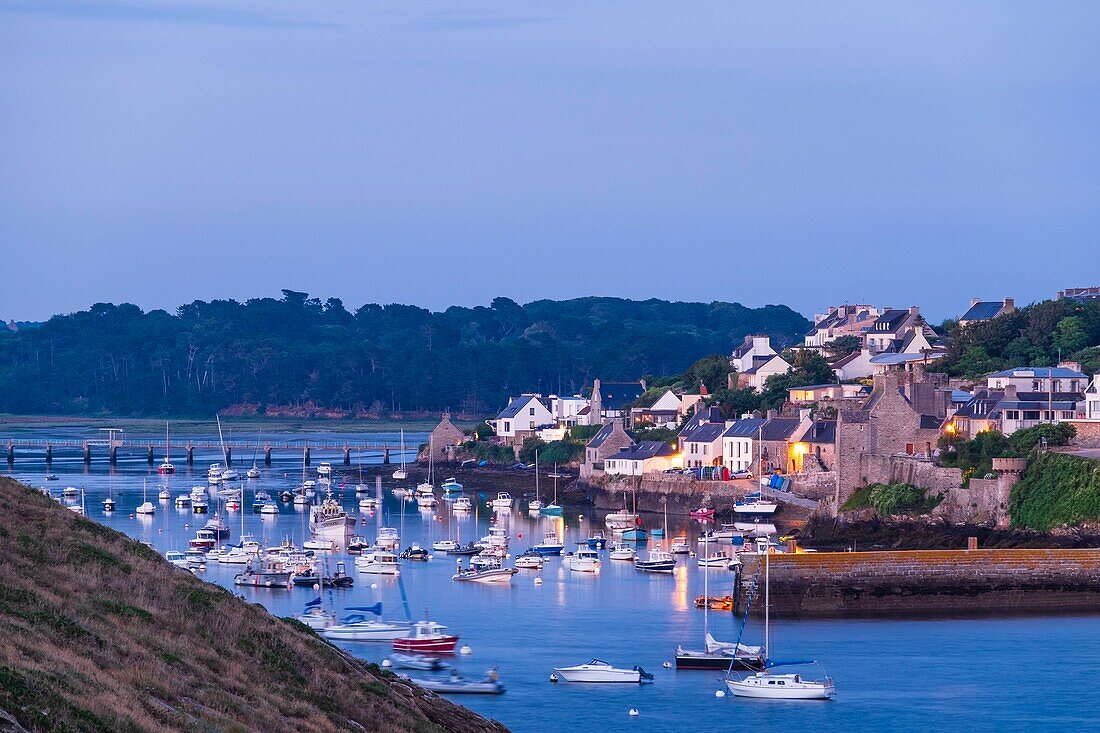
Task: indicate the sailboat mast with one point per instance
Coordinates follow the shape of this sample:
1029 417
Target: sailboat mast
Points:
767 600
536 474
167 449
706 587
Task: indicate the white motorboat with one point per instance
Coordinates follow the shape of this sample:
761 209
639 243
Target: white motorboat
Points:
754 505
599 671
456 684
378 562
183 501
253 472
585 561
621 520
324 469
444 545
177 558
529 560
497 537
503 501
658 561
487 575
316 617
321 544
164 495
301 500
70 492
426 501
534 505
368 504
680 546
416 661
269 507
717 560
622 552
765 684
388 538
215 470
462 504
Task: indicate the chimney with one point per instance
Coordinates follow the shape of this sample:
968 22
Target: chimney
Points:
1010 392
771 414
914 310
643 385
975 301
1010 304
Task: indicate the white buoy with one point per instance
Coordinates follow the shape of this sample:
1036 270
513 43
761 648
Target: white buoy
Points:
316 586
538 580
386 664
553 677
633 712
719 693
666 664
374 586
465 650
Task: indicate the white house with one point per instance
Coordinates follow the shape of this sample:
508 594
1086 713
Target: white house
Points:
566 409
1092 400
663 413
524 414
757 345
841 320
1064 378
757 376
739 443
702 446
645 457
612 400
856 365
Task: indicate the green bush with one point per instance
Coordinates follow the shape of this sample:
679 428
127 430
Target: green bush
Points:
860 499
1026 440
561 451
492 452
891 499
1056 489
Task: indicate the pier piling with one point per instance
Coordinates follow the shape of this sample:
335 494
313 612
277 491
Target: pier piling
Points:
267 454
386 455
228 456
11 452
347 455
114 455
190 455
87 453
150 457
305 455
49 454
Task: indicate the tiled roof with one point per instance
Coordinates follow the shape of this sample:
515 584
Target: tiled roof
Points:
846 360
618 395
982 311
930 422
822 431
890 320
982 404
708 433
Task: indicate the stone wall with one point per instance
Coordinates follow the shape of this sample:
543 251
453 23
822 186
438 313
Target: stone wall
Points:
928 581
1088 434
880 469
681 493
983 501
815 485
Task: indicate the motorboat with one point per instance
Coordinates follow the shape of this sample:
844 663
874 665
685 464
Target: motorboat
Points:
195 557
622 552
215 470
177 558
415 553
183 501
218 526
444 545
329 519
597 540
265 574
427 636
286 496
599 671
357 544
311 578
680 546
233 505
620 520
269 508
322 544
199 492
497 537
388 538
529 560
324 469
358 625
754 505
70 492
703 512
551 510
756 529
258 500
470 548
487 575
301 500
378 562
718 560
534 505
229 493
451 486
230 475
108 504
204 539
658 561
235 555
426 501
76 509
200 506
503 501
416 661
456 684
51 477
490 557
368 503
725 533
550 545
164 495
462 504
635 534
584 561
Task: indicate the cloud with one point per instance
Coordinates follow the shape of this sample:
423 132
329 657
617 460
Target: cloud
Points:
193 14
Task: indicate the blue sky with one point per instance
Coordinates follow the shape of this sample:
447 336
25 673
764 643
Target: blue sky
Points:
444 153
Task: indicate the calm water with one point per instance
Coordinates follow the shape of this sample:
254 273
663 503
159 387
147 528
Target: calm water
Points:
987 674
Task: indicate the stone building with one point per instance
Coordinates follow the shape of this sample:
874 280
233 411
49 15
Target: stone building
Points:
607 442
444 440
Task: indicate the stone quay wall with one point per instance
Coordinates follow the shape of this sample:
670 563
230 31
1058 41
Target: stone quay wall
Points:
927 582
683 494
880 469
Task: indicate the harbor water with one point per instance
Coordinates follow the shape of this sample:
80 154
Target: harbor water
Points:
1007 673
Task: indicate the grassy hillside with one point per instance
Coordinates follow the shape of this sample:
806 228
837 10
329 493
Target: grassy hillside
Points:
99 633
1056 489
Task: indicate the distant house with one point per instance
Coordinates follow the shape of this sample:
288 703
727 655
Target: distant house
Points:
445 439
745 356
841 320
814 448
610 439
522 417
986 310
764 367
1092 399
1066 377
566 409
856 365
776 437
663 413
645 457
899 331
703 445
1080 294
977 415
825 392
612 400
739 440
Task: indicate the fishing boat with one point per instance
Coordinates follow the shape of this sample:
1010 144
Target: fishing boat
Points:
486 575
166 467
550 545
456 684
584 561
416 661
265 574
146 507
315 616
622 552
401 474
503 501
597 540
599 671
378 562
754 505
358 625
427 636
218 526
329 519
635 534
658 561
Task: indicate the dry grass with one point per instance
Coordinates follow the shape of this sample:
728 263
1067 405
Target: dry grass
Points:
99 633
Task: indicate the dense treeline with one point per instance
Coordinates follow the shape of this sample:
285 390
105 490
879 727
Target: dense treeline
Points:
1036 335
275 352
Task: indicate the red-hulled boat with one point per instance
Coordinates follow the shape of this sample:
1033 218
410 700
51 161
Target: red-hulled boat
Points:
427 636
706 512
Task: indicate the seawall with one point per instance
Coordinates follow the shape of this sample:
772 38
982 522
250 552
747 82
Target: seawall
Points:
684 494
927 582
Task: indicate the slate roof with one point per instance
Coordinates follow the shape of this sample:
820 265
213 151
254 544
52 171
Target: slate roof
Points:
930 422
619 395
814 386
707 433
890 320
701 417
982 405
645 449
745 428
822 431
744 348
982 311
601 435
1042 404
516 406
1040 372
779 428
894 359
845 360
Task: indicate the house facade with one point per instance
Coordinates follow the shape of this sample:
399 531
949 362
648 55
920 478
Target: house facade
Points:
757 376
566 409
739 441
986 310
703 446
1067 377
753 347
647 456
523 416
609 440
841 320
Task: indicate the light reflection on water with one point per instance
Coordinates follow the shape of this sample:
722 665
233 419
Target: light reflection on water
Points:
974 674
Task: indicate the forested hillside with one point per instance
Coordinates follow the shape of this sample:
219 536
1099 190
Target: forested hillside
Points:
116 359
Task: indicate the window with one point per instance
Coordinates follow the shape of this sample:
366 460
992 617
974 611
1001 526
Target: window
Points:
1048 415
507 426
531 411
1073 385
1056 385
1031 414
705 446
532 424
1012 414
1067 414
1036 385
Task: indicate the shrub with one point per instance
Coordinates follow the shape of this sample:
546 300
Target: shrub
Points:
891 499
1056 489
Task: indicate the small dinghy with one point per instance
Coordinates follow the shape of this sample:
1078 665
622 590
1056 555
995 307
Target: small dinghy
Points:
456 684
417 661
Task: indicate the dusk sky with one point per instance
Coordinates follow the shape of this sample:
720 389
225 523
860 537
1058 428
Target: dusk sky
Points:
441 153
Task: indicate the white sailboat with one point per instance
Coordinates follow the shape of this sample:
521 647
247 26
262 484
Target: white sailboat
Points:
764 684
402 473
166 467
536 503
146 506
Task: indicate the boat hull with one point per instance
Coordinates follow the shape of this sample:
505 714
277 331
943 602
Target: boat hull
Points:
441 645
600 676
663 566
800 691
718 661
495 575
